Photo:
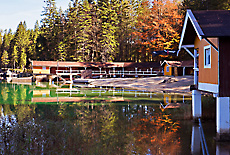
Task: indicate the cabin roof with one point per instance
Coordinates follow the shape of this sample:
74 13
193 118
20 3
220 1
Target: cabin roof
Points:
188 63
214 23
204 24
94 64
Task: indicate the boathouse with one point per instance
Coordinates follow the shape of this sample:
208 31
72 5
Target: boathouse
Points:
206 37
177 68
106 69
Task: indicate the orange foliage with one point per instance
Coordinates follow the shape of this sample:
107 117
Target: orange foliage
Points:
157 132
158 25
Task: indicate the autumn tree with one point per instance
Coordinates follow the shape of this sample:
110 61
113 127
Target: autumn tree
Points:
158 27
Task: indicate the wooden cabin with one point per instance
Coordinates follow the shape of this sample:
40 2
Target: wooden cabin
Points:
177 68
206 37
108 69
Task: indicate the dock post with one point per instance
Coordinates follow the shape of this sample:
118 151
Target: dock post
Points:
196 105
123 70
114 73
222 118
183 71
70 75
196 94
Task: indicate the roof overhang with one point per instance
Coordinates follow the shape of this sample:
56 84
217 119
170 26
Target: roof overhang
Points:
191 29
164 62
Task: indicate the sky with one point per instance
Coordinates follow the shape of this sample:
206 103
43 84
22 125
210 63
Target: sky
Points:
14 11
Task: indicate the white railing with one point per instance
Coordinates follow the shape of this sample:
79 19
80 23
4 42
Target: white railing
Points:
133 72
111 72
67 72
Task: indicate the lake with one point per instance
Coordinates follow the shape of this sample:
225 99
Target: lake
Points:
43 119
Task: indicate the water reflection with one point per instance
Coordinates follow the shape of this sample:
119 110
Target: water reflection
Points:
99 121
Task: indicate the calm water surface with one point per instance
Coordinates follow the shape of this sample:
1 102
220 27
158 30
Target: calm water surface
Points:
36 119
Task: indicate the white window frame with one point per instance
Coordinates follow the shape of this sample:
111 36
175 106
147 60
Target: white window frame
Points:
167 68
167 99
205 48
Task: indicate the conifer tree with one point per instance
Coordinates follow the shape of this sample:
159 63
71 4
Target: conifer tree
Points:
23 58
126 13
5 58
72 30
108 28
7 38
61 52
48 36
1 39
15 56
22 41
33 36
6 42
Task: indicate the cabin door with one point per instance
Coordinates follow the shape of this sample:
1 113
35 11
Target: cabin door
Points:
173 71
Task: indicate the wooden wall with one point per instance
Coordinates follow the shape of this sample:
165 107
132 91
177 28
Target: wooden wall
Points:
224 67
41 70
165 70
207 75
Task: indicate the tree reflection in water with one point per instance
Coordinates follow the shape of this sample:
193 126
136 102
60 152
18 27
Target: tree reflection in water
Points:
104 129
87 127
155 134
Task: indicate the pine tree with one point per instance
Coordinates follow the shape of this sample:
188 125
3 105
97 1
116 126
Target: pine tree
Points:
15 56
1 38
7 38
4 58
108 28
126 12
33 36
6 42
22 41
72 30
23 59
61 52
48 38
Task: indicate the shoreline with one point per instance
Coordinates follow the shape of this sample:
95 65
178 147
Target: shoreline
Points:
160 84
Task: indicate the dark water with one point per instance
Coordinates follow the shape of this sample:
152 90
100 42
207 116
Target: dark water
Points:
38 120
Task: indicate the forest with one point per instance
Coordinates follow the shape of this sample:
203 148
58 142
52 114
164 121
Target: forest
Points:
100 31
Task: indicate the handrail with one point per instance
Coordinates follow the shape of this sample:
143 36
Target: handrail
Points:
202 139
117 72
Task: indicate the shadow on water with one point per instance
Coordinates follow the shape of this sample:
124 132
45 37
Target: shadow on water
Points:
39 120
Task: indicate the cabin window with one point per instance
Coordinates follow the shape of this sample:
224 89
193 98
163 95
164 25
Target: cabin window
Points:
207 57
43 68
167 69
167 99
